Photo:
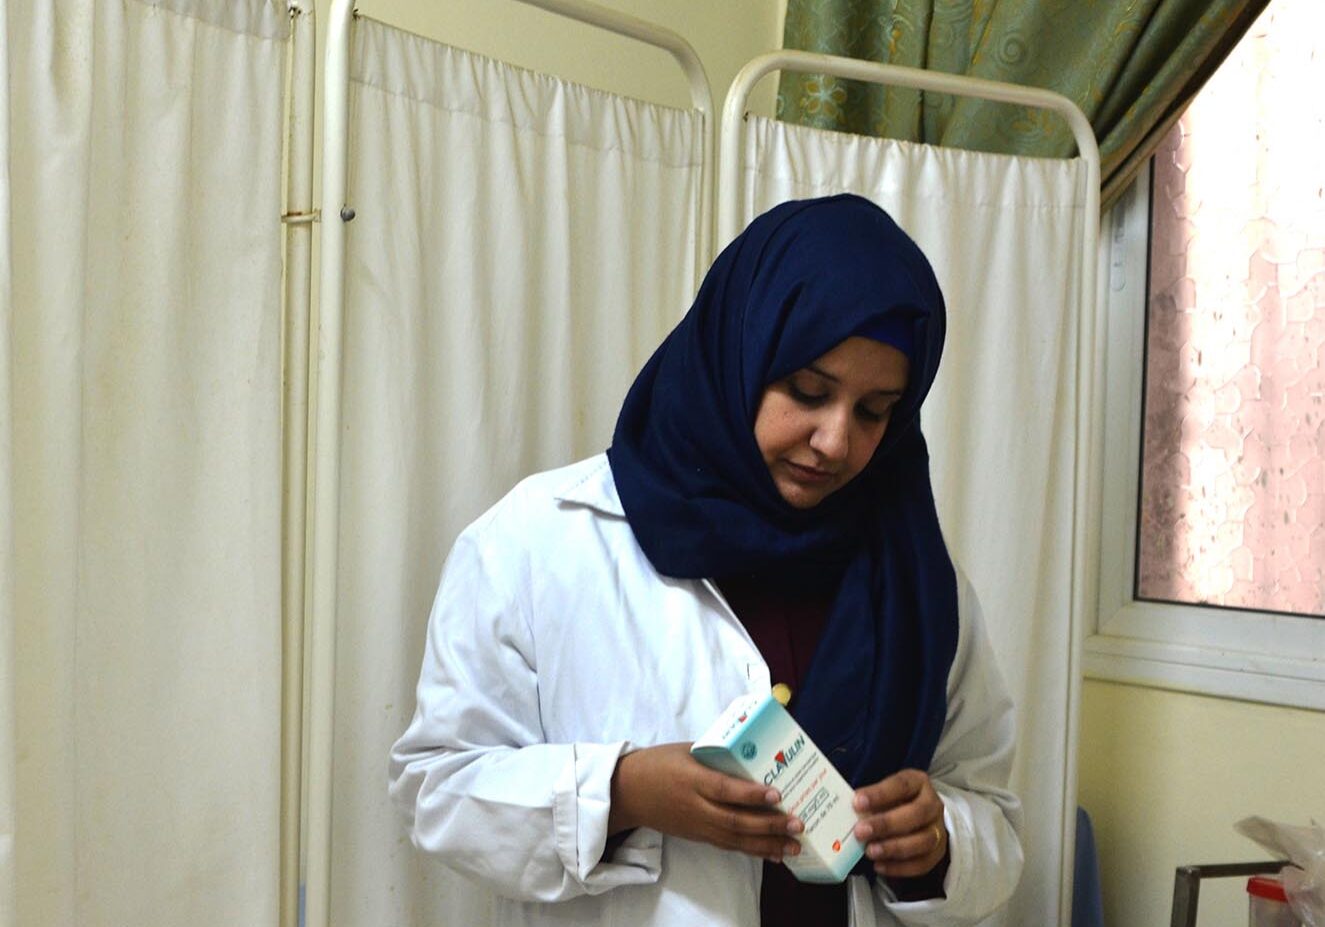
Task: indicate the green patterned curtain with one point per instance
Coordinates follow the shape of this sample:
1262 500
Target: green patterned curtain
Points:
1131 65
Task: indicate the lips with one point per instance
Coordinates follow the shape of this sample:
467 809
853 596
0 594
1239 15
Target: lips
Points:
803 474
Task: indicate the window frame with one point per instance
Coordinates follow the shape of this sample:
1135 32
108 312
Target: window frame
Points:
1211 650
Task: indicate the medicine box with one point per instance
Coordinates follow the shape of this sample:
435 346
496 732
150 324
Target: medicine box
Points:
757 739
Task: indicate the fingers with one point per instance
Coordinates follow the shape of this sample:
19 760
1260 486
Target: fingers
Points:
734 820
728 790
926 809
749 822
744 817
899 788
765 833
666 789
901 824
774 849
703 804
909 854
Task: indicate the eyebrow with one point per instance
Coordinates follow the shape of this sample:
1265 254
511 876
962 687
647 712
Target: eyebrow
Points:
828 376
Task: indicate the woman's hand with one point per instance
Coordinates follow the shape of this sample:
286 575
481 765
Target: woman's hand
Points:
901 824
665 789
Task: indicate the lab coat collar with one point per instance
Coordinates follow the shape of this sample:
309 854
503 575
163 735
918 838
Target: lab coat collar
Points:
592 485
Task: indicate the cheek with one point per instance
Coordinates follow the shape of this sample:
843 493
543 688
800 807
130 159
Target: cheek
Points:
775 428
770 436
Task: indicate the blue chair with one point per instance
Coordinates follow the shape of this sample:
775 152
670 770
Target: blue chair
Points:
1087 896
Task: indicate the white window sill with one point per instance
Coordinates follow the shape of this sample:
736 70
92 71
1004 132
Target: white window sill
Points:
1276 680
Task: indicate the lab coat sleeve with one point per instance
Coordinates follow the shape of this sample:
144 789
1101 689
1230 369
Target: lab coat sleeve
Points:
480 789
970 772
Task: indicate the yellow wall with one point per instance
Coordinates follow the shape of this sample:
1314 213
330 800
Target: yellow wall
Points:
725 33
1165 775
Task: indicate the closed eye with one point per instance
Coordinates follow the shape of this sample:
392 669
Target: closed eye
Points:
874 415
803 397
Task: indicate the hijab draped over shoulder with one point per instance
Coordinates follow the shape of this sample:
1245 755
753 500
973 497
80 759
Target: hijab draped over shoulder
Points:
799 280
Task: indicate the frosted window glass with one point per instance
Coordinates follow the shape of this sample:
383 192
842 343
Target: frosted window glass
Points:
1232 507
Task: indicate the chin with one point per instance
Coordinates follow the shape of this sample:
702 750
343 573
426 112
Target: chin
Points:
799 498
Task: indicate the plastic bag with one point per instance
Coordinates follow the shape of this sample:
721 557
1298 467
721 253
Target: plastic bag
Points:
1304 881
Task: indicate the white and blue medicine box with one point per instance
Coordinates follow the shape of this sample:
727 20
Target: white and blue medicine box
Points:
756 739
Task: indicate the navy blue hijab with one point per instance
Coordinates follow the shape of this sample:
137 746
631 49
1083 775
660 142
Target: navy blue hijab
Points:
802 278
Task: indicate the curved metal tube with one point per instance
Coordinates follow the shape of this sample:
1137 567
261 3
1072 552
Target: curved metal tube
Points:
733 111
701 95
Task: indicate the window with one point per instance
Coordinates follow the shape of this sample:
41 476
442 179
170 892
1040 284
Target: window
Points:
1213 547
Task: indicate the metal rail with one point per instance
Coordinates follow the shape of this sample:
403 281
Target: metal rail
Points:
294 437
733 111
701 94
324 427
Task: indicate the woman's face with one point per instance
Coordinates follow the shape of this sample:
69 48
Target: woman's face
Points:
819 427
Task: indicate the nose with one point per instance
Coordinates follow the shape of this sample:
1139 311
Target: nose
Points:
831 438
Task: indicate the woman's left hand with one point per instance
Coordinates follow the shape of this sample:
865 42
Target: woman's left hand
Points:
901 824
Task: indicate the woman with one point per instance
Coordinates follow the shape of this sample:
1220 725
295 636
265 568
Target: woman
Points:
763 516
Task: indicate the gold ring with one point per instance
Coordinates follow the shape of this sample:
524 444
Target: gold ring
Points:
938 835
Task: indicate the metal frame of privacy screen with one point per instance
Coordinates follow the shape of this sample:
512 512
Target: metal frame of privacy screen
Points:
324 468
298 219
323 472
1090 394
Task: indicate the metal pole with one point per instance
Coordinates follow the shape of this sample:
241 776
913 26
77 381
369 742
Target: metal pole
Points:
294 438
325 441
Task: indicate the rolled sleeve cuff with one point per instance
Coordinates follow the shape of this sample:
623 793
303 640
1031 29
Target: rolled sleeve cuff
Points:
581 803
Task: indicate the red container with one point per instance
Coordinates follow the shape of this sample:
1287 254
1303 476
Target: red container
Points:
1268 905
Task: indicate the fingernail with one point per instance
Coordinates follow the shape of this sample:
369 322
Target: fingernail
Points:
863 831
794 826
860 802
772 796
793 849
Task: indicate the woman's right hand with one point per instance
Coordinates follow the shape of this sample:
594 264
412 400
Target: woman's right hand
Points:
665 789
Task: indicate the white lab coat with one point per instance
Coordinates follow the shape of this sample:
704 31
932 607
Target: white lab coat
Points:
553 647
